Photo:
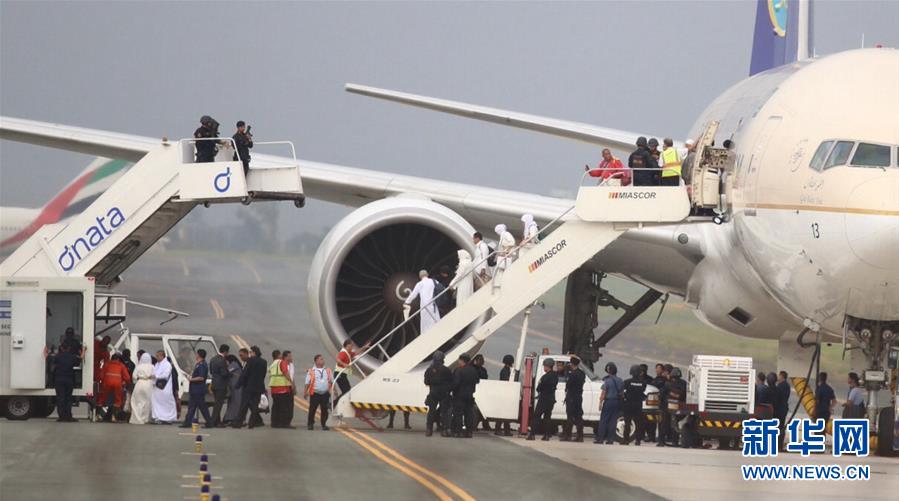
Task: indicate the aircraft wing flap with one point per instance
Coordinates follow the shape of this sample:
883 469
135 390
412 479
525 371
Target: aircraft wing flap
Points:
601 136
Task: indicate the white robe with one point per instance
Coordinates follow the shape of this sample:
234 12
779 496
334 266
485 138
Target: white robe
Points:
463 282
163 406
143 391
530 232
506 245
429 315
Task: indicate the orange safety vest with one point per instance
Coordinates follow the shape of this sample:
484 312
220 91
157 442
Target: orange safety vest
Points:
311 389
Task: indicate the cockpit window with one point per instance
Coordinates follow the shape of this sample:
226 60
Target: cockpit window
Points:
840 154
820 154
871 155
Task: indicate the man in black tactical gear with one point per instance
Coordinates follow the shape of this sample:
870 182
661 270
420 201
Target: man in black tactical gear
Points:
439 380
505 374
574 402
546 399
642 159
632 407
676 393
465 378
206 147
243 141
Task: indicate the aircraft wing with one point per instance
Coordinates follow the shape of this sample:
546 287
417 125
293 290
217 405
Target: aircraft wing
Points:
635 255
600 136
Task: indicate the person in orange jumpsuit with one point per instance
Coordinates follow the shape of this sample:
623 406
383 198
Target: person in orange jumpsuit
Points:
101 356
114 379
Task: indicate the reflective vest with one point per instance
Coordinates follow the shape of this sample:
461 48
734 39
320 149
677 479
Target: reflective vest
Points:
276 377
671 162
349 368
312 372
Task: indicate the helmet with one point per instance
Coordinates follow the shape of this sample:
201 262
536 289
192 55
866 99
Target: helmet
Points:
611 368
438 356
508 359
635 371
548 362
641 141
653 142
205 119
675 372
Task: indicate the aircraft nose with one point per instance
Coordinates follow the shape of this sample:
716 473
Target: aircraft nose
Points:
872 222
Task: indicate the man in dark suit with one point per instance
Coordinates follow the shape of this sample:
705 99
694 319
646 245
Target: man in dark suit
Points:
252 380
218 370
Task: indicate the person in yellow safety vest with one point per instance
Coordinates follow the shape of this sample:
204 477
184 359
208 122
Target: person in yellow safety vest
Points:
344 363
671 164
282 389
319 383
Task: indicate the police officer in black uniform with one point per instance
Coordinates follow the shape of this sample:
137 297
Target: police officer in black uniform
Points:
439 380
64 364
648 426
641 158
676 393
574 402
206 149
505 374
546 400
465 378
243 141
632 407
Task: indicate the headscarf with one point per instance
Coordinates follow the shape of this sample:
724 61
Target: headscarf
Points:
464 257
528 220
500 229
145 359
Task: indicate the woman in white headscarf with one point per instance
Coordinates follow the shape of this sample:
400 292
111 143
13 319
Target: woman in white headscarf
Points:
529 236
504 251
463 282
143 390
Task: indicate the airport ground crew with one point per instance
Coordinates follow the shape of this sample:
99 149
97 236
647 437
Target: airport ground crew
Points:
112 386
196 392
282 390
505 374
64 364
465 378
319 384
574 402
439 380
243 141
676 392
610 405
344 363
546 400
632 406
671 164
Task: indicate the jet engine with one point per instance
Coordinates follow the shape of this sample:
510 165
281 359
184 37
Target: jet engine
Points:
368 265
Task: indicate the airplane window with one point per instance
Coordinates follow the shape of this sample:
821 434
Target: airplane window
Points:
871 155
840 154
820 154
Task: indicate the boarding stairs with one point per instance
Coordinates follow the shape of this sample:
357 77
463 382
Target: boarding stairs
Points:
600 215
142 206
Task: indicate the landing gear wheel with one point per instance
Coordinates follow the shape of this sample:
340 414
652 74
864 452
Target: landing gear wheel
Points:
18 408
885 423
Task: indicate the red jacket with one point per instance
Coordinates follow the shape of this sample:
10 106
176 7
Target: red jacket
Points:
612 168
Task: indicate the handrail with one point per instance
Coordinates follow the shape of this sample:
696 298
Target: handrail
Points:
629 169
293 150
229 140
393 331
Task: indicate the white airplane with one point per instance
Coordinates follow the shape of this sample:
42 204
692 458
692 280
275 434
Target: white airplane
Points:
807 249
19 223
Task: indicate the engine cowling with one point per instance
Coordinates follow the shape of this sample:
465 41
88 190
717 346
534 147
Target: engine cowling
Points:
368 264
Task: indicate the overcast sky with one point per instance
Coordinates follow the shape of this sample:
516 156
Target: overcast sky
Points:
153 68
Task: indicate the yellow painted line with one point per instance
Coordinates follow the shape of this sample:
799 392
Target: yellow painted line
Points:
458 491
244 342
240 342
184 269
217 308
252 269
440 493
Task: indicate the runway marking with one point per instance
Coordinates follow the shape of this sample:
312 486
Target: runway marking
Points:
351 433
249 265
184 268
217 308
193 434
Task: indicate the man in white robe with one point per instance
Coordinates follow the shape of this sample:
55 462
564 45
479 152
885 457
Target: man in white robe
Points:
463 282
504 253
529 236
424 290
142 395
481 255
163 406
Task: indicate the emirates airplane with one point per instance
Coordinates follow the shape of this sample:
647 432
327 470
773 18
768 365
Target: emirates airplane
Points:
804 250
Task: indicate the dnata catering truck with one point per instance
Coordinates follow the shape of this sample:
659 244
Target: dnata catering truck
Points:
35 314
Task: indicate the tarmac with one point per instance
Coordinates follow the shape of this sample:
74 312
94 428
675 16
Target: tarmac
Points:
262 300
